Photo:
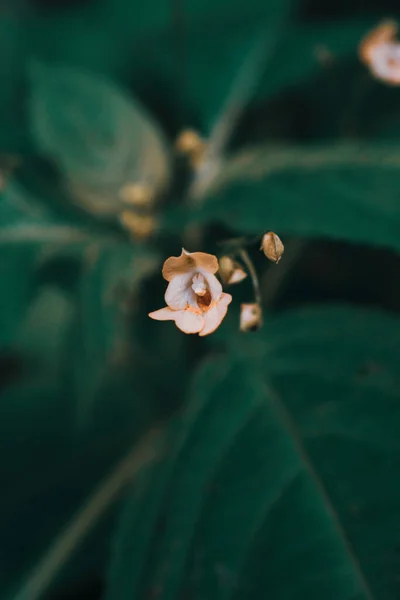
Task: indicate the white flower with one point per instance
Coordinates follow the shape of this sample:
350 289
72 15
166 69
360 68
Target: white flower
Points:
380 51
194 295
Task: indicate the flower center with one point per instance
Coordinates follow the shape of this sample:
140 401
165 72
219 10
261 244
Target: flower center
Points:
199 285
201 289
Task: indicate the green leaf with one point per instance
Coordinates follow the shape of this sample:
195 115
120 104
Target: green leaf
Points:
288 468
100 139
196 76
29 236
306 49
72 409
96 46
102 333
344 191
13 132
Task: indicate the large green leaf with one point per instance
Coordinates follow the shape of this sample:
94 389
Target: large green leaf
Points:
342 191
286 464
307 48
192 62
187 54
13 131
67 302
102 332
100 139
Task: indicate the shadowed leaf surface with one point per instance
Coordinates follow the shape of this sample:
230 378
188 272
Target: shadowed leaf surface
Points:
281 469
100 140
307 191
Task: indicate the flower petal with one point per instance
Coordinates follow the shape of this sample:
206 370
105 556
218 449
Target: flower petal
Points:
178 265
231 271
163 314
205 262
179 292
214 285
384 33
189 262
213 317
188 321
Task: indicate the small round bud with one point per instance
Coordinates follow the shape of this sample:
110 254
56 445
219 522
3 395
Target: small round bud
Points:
192 145
231 271
137 194
250 317
139 226
272 247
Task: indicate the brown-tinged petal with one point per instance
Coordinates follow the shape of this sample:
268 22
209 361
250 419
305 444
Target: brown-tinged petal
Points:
189 262
205 262
178 265
188 321
214 316
250 317
163 314
179 292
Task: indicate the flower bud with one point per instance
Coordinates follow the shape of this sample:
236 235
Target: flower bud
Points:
272 247
231 271
192 145
250 317
137 194
141 227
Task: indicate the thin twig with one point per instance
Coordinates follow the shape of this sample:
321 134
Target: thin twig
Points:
244 255
240 94
83 522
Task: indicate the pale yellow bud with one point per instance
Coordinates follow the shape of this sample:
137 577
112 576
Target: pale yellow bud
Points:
191 144
272 247
141 227
231 271
137 194
250 317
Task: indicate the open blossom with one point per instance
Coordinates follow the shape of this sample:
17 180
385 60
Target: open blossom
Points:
194 296
380 51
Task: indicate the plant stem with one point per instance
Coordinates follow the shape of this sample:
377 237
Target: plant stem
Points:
146 451
244 255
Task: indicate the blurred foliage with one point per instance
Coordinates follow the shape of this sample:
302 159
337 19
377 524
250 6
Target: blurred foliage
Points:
138 462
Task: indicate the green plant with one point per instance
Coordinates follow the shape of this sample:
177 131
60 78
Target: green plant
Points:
243 465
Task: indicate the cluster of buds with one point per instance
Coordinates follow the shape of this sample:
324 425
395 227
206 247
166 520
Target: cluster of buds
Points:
137 216
195 299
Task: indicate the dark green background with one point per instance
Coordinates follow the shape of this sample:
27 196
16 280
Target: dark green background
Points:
275 466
